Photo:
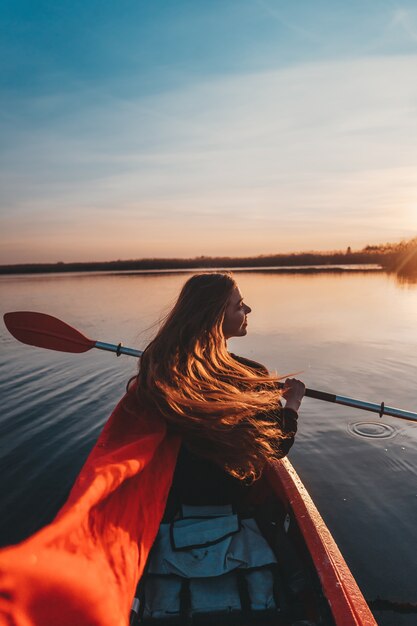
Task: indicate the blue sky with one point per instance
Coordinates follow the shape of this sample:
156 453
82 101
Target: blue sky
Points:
179 128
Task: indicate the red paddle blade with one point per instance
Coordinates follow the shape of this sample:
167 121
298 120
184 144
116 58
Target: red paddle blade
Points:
46 331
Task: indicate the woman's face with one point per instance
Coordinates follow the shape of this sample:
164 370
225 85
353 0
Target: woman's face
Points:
235 322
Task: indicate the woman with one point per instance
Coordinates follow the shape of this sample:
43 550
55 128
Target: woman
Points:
228 412
227 408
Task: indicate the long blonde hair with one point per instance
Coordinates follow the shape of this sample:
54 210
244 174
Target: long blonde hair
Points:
221 407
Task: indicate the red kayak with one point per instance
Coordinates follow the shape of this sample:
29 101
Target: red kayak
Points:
84 567
345 601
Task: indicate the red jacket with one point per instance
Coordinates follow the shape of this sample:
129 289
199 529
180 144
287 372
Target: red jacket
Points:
83 568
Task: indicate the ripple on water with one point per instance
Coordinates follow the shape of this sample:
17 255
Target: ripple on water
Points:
372 430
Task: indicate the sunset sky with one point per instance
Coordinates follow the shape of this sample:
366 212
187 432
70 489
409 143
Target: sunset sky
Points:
144 128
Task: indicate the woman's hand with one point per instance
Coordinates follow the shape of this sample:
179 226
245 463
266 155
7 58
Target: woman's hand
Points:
293 393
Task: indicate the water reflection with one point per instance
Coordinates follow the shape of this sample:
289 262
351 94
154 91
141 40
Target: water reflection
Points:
406 279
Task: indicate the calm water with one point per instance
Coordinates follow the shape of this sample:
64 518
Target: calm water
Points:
352 334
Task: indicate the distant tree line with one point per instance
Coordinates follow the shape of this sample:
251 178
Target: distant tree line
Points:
403 258
392 257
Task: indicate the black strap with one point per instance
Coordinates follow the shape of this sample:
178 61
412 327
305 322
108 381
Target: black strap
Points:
277 590
242 586
186 617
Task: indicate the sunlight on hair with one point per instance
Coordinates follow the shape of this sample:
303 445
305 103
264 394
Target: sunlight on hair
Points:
221 406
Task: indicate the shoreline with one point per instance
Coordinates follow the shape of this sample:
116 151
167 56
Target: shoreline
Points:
277 269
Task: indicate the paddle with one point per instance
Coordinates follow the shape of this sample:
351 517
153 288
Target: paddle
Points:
46 331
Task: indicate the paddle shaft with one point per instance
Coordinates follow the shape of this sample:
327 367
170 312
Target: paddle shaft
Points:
45 331
381 409
118 350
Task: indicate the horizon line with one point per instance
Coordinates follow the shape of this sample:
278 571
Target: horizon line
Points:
381 247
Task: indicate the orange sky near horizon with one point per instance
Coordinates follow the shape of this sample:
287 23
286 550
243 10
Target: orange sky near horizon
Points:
95 239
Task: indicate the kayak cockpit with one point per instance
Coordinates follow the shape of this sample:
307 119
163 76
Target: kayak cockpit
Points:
213 565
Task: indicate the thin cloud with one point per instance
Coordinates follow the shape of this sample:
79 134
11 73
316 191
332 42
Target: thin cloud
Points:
272 11
406 20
